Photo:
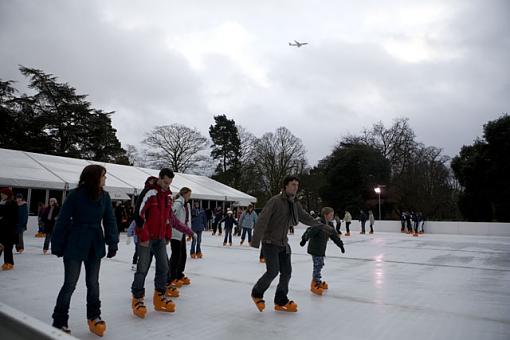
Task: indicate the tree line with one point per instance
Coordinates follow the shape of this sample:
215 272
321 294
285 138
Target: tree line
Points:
473 186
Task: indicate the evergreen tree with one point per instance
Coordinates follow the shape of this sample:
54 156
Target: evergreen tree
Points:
226 148
57 121
482 169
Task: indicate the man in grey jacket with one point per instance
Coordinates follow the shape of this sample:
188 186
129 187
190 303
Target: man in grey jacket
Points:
279 213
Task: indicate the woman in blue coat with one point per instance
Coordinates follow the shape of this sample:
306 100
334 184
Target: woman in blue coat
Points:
85 225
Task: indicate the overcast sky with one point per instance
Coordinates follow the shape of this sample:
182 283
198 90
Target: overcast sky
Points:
443 64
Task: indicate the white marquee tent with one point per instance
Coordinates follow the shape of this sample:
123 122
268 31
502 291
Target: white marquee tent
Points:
22 169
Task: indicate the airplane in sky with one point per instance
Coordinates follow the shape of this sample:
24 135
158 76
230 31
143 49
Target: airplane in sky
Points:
298 44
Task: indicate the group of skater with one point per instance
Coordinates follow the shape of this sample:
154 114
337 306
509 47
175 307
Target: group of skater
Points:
86 231
412 221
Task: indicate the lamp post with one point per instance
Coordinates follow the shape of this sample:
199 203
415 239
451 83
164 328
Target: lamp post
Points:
378 192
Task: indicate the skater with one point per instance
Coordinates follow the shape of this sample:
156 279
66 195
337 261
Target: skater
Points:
416 222
403 218
49 217
21 226
85 225
177 262
280 212
371 219
8 222
408 222
230 221
421 218
155 232
247 221
338 225
318 241
40 222
348 220
198 225
363 220
218 216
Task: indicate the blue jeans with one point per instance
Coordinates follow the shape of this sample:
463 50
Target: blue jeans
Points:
318 263
158 249
72 274
246 231
195 244
277 261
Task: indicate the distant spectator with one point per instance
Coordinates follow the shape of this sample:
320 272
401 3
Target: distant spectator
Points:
21 226
49 217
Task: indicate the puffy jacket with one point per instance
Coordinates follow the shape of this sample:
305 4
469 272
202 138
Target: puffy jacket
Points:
347 217
179 210
157 215
198 219
247 219
318 240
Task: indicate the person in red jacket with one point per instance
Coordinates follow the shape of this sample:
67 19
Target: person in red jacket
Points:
153 235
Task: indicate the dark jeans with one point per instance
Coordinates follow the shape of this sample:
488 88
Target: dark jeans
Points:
228 234
371 228
363 226
177 262
158 249
347 224
47 240
216 226
277 261
195 244
8 257
20 245
72 274
338 225
246 231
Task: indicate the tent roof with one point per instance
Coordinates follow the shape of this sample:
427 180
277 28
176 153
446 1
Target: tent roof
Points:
33 170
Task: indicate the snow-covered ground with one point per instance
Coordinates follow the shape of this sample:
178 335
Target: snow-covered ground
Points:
386 286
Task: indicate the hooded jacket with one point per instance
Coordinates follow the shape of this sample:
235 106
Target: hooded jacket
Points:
158 218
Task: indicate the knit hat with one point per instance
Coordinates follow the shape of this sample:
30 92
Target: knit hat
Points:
229 211
6 191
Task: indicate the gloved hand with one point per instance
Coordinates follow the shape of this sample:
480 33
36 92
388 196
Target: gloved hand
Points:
112 251
195 236
341 245
302 243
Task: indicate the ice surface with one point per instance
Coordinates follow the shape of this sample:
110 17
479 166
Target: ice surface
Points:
386 286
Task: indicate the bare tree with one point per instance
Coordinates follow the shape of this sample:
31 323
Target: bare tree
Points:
176 146
396 143
132 154
277 155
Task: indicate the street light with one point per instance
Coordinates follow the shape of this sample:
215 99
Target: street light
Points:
378 192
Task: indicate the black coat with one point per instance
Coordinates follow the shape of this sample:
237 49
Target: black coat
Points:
8 222
49 223
318 240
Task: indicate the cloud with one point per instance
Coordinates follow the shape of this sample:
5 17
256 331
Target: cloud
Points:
442 64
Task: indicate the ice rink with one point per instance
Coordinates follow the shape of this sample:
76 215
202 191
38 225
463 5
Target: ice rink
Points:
386 286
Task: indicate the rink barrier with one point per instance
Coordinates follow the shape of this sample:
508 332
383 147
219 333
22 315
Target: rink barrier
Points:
431 227
16 325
